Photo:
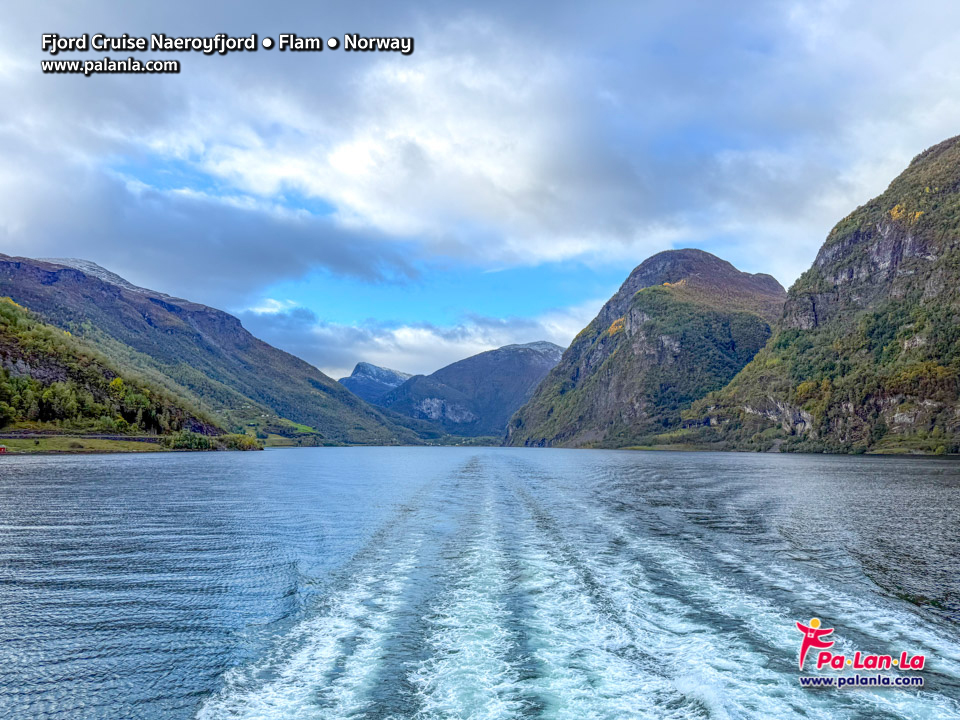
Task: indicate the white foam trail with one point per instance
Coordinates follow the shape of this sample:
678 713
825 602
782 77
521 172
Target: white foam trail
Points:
721 669
291 683
348 695
716 669
648 627
718 666
585 671
468 675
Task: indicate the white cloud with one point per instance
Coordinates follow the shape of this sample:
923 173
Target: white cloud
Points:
474 147
270 306
491 148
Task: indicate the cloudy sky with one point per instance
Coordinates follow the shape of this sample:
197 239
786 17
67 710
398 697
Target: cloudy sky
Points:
495 186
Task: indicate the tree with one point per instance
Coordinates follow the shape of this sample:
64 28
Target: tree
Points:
7 414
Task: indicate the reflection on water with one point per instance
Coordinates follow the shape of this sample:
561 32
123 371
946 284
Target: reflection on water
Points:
469 583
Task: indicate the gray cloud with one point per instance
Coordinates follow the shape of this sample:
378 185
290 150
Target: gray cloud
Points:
207 248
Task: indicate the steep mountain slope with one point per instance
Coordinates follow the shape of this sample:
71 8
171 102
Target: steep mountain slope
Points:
52 380
194 350
476 396
681 325
372 382
868 353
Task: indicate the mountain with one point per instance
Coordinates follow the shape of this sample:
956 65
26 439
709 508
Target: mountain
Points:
50 380
198 352
867 356
476 396
683 324
372 382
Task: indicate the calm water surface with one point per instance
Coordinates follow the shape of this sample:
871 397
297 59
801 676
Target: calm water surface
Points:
469 583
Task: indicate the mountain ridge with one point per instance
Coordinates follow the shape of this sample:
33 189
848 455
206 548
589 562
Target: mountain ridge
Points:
203 352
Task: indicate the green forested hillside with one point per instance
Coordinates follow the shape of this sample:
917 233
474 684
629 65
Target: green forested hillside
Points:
681 326
867 356
50 379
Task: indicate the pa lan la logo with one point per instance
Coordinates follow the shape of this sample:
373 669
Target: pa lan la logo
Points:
814 636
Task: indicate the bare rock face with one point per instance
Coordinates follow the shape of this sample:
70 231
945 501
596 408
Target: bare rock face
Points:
46 370
438 409
858 271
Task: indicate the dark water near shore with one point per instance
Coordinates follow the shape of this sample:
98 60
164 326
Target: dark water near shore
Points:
469 583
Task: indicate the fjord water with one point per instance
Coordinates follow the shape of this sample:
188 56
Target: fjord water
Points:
469 583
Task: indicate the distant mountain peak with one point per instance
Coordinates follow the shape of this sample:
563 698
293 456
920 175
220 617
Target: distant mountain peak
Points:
365 369
694 264
702 271
476 395
371 382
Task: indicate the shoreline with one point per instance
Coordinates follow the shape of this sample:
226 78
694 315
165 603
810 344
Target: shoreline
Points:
77 444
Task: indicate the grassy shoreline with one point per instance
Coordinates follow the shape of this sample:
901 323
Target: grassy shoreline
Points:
79 444
76 445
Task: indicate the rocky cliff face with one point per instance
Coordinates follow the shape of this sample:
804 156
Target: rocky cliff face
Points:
200 352
868 352
372 382
682 324
476 396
